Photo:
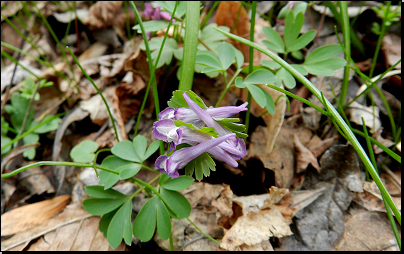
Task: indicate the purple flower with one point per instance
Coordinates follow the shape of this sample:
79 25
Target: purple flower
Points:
182 157
149 12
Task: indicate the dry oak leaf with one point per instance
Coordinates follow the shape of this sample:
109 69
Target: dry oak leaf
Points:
304 156
102 14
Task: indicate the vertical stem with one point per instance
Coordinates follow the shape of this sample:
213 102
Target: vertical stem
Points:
347 45
190 45
250 62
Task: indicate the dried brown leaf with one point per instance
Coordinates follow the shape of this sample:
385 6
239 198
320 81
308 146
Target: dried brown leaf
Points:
304 157
102 14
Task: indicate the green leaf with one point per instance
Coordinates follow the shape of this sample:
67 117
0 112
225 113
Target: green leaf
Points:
17 111
168 6
208 60
206 130
104 222
163 220
145 222
126 151
261 76
300 7
177 202
115 163
30 139
257 94
121 226
226 54
292 28
167 53
323 53
270 64
128 171
84 151
229 124
152 149
51 126
198 165
177 100
300 69
325 67
211 37
239 58
284 76
100 206
270 105
4 141
140 144
302 41
180 183
97 191
209 69
4 126
151 26
275 42
239 83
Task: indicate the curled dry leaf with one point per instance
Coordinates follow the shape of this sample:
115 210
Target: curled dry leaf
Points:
386 142
102 14
391 46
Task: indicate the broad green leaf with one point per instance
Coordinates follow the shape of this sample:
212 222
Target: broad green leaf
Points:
164 178
261 76
126 151
239 82
97 191
84 151
284 76
163 220
319 70
104 222
270 105
115 163
297 55
211 37
275 42
111 181
179 53
207 130
100 206
30 139
177 100
145 222
198 164
4 141
152 149
292 28
331 63
177 202
17 111
302 41
128 171
140 144
168 6
300 7
151 26
51 126
257 94
270 64
226 54
121 226
300 69
208 61
167 53
209 69
239 58
180 183
322 53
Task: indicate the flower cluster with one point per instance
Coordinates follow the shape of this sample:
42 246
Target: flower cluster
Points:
156 13
225 147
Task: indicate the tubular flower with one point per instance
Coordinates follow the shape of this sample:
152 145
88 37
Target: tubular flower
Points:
190 130
179 159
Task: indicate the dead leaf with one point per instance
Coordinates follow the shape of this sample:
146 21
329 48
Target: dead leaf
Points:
70 214
224 204
35 181
370 115
27 217
303 157
202 193
96 107
367 231
386 142
263 246
390 46
318 146
255 228
252 203
102 14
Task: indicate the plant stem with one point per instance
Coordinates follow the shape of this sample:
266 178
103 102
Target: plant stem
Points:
228 85
380 39
203 233
250 63
347 45
98 91
190 45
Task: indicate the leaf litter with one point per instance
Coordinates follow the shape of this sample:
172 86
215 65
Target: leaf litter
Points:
314 177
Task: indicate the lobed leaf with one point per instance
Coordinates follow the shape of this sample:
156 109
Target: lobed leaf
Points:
177 202
84 151
275 42
260 76
180 183
226 54
323 53
120 225
145 222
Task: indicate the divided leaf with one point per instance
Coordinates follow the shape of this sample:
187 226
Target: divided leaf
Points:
178 101
226 54
177 202
176 184
275 42
121 225
201 165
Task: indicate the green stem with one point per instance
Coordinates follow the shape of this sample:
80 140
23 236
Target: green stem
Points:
96 156
333 112
205 20
250 63
347 45
380 39
190 45
203 233
98 91
228 85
